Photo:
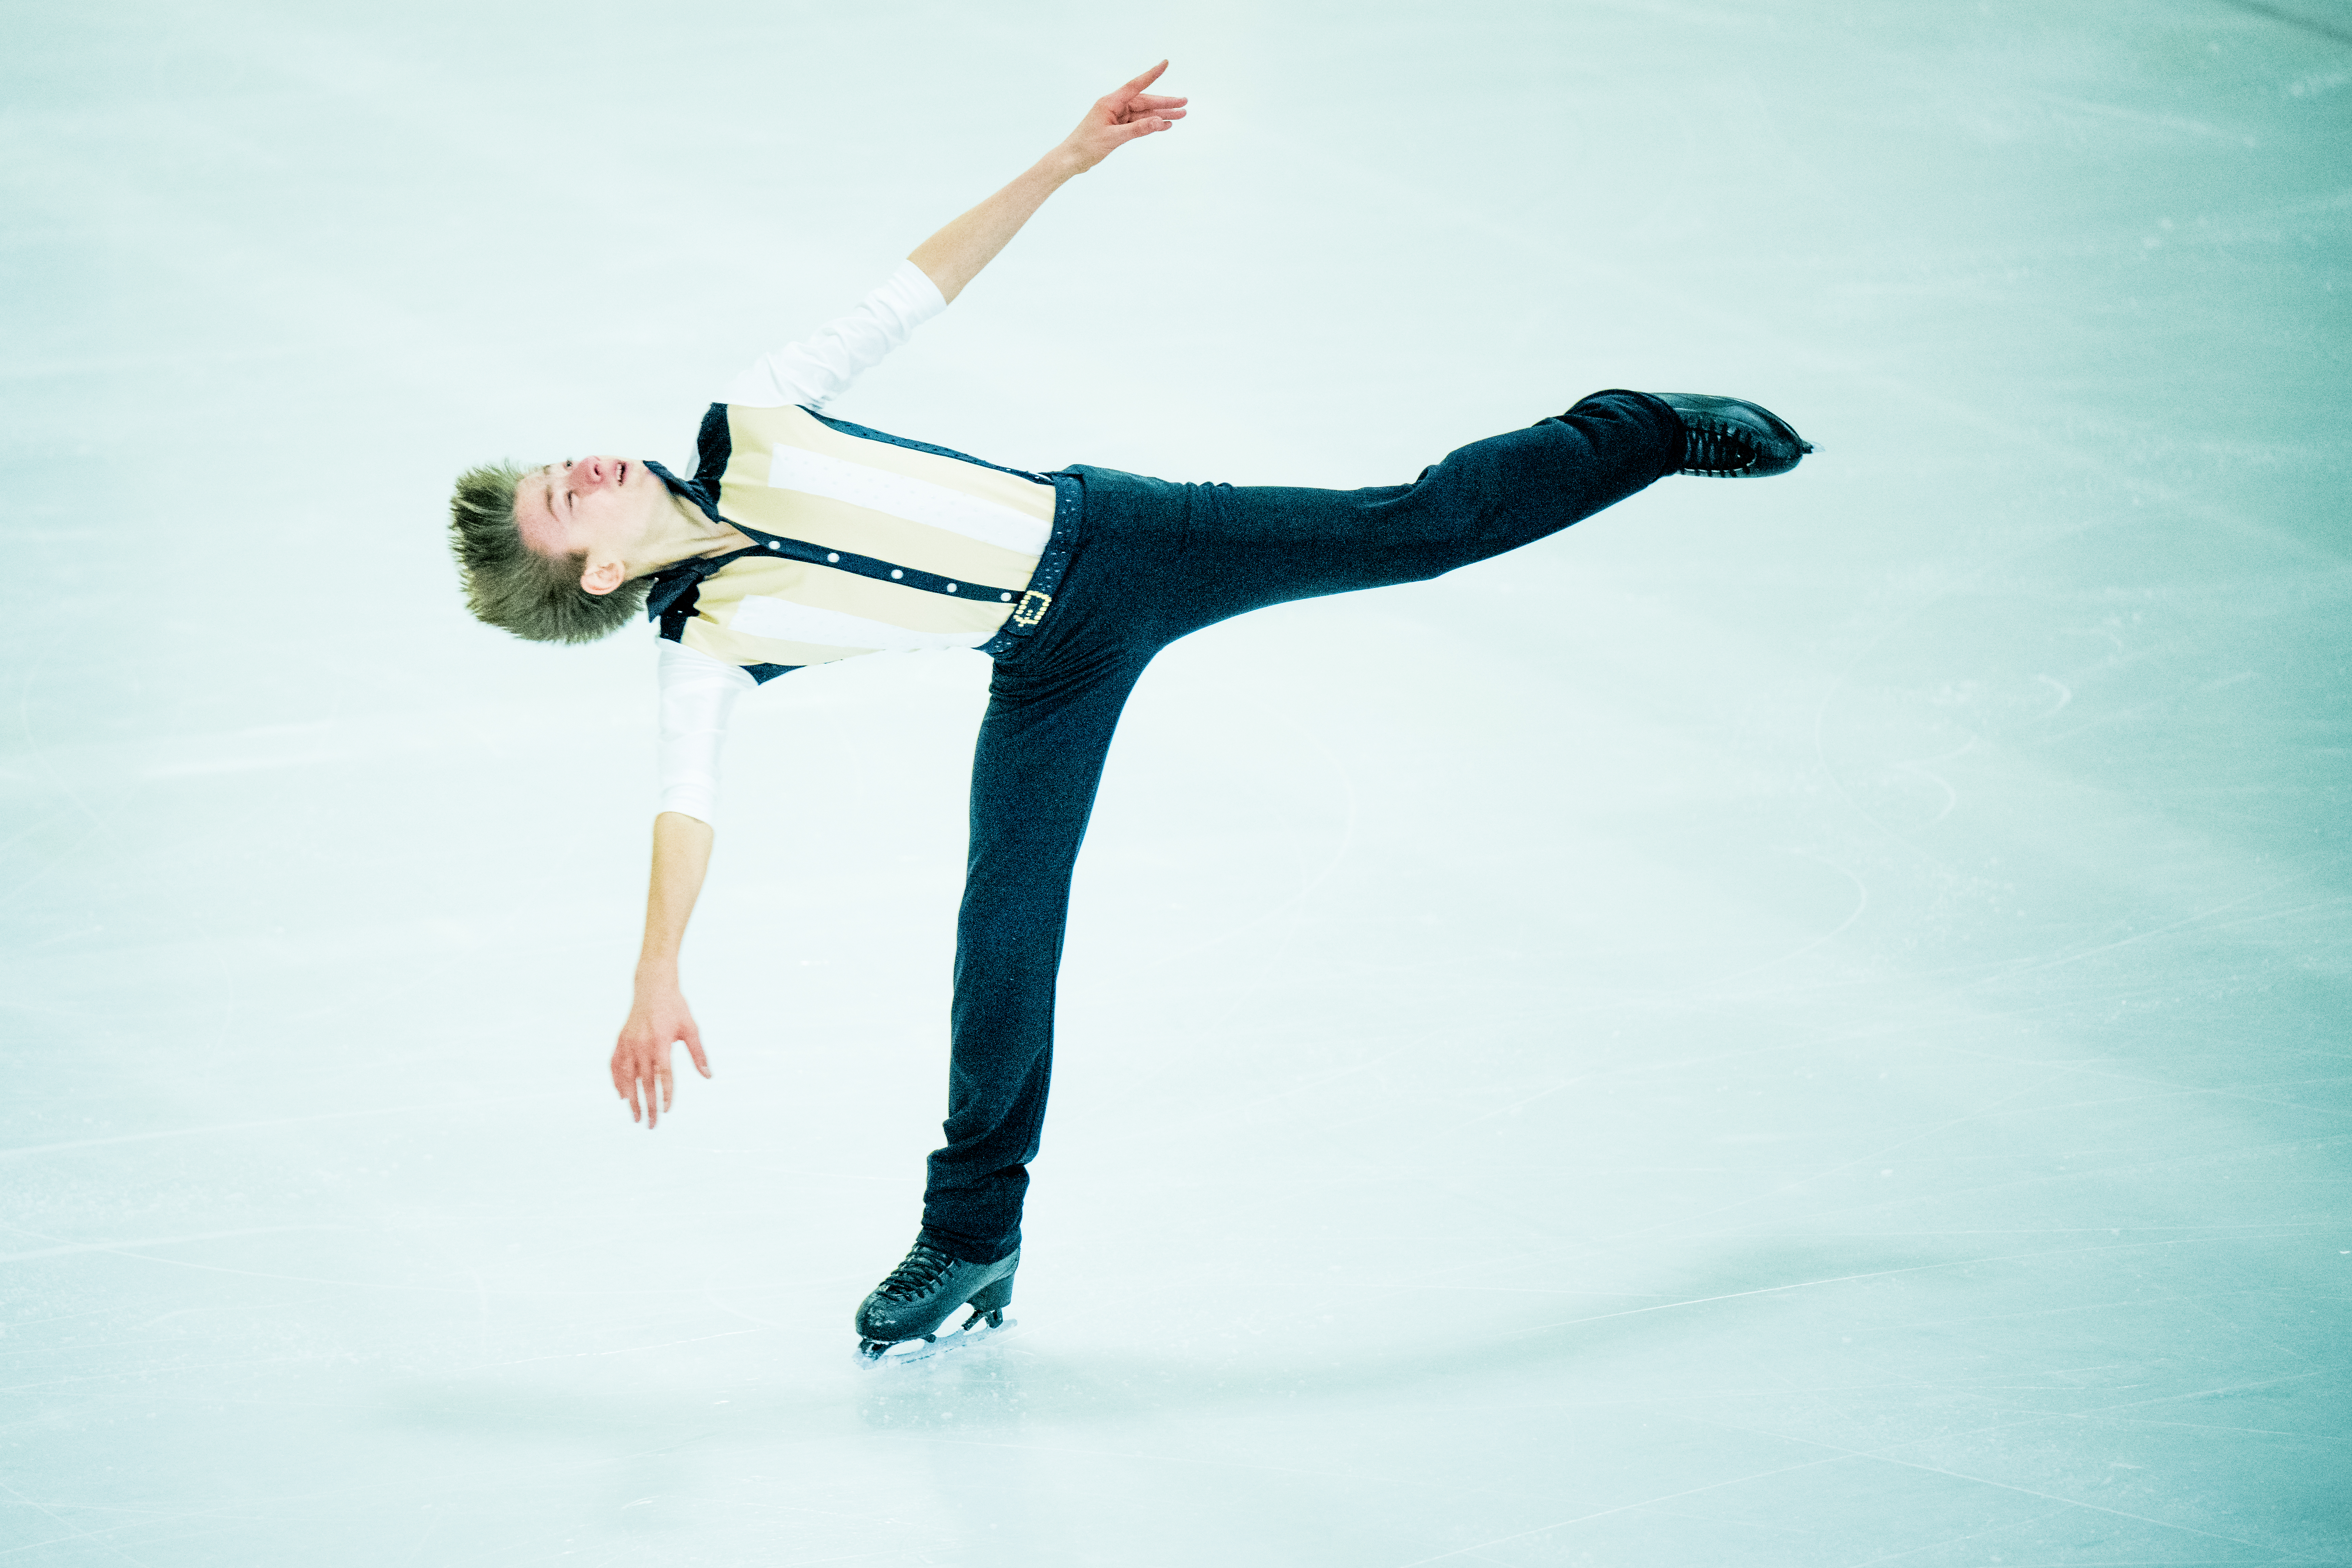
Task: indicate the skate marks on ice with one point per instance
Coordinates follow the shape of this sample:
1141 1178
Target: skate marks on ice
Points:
1978 1425
2293 18
1405 1335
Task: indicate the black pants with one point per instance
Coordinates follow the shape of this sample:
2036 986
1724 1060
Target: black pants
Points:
1158 560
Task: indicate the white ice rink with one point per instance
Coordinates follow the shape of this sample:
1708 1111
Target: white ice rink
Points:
1797 1023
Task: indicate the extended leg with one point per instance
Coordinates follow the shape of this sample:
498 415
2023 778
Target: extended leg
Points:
1197 553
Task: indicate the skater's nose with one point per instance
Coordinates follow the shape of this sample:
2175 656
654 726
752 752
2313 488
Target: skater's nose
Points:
593 473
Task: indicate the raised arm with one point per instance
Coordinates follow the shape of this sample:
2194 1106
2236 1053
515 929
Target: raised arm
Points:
698 691
819 367
954 256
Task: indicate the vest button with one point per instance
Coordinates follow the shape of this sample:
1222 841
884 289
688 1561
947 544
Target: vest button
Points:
833 555
896 572
950 588
1006 597
775 544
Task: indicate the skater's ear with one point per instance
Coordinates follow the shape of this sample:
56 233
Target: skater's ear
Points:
601 576
560 597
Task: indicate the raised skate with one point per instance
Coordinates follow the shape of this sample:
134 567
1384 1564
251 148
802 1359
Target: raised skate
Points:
1732 439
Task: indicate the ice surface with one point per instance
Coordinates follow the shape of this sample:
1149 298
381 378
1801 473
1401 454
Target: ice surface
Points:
1798 1023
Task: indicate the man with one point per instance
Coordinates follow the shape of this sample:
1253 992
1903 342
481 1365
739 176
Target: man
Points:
802 540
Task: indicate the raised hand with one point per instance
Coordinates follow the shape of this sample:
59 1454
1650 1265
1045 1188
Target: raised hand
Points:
1120 116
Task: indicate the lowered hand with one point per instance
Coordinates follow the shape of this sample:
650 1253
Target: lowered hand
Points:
641 1074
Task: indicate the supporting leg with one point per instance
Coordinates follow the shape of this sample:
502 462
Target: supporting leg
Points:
1034 772
1162 559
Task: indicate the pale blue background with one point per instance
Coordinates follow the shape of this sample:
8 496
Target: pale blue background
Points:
1799 1023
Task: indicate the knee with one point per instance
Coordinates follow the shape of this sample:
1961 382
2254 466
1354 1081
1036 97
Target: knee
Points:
1008 937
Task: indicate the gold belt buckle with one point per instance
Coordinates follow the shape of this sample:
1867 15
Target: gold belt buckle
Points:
1031 608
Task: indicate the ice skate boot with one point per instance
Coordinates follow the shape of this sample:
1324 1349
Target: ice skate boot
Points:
1732 438
901 1320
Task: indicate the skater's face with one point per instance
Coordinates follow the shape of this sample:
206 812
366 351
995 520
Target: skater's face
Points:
603 506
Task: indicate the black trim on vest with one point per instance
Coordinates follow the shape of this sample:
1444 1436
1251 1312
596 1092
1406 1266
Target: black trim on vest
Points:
870 566
764 673
670 585
847 429
674 589
714 445
678 610
704 496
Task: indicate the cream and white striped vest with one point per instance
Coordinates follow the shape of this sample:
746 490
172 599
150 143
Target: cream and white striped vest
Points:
863 542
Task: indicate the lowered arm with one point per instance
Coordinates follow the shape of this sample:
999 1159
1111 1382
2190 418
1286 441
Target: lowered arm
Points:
698 690
659 1017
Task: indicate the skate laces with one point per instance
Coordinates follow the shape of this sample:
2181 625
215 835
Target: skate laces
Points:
1714 447
917 1273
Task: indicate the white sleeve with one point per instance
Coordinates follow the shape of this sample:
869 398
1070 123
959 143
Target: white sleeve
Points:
822 365
698 696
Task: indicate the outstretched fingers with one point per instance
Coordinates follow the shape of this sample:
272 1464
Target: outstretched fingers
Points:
1139 83
1132 101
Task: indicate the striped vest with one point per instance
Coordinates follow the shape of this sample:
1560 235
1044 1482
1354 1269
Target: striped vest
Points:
862 543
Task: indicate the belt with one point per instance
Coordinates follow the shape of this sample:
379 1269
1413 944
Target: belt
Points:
1069 511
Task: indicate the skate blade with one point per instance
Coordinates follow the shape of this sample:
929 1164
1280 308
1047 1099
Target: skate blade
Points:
951 1342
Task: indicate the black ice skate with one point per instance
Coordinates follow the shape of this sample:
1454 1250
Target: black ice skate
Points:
901 1321
1732 438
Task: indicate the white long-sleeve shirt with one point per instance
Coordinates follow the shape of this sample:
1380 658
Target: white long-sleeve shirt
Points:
819 368
862 542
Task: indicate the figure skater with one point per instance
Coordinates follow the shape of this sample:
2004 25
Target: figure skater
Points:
803 539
